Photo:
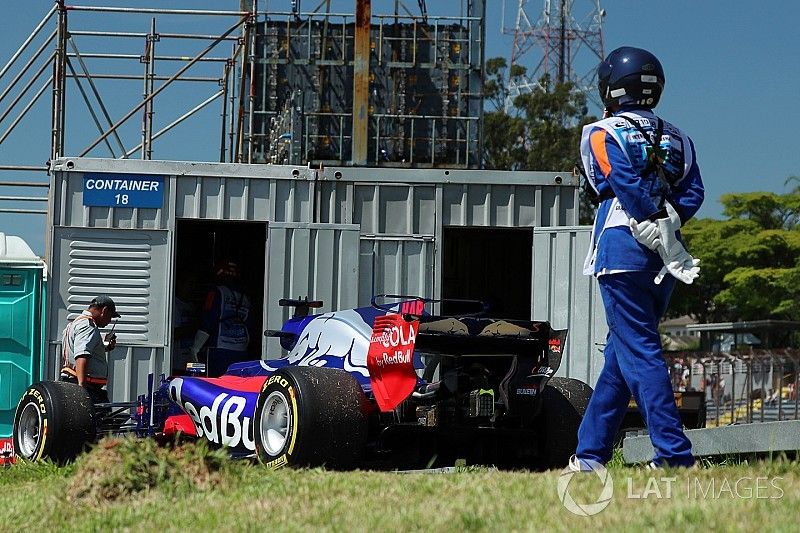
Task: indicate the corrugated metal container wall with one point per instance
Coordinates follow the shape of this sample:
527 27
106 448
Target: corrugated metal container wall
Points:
402 213
569 299
295 253
398 231
399 215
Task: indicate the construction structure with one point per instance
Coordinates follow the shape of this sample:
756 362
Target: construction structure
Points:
369 89
562 42
361 88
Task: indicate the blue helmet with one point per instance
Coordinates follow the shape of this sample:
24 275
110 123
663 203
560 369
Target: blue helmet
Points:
630 76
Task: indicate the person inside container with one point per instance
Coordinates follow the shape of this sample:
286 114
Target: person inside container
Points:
84 360
224 323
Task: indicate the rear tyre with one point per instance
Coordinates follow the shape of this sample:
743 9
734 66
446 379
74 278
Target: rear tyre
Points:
308 416
564 401
54 420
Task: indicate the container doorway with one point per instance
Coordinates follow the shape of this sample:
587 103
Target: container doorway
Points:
201 246
489 264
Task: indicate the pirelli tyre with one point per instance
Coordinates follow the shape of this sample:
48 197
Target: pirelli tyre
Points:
564 402
54 420
308 416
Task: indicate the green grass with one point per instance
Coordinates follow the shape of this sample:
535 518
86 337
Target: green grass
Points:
137 486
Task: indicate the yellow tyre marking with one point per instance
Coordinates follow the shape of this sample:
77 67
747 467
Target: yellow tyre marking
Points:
43 435
296 421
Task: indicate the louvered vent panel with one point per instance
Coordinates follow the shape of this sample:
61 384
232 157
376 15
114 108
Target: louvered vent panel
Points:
123 270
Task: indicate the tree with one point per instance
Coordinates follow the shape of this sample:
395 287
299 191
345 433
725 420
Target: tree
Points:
767 209
541 132
750 263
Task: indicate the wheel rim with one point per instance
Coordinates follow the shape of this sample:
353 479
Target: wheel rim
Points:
275 423
29 430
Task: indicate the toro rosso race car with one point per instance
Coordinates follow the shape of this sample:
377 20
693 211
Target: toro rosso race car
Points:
386 386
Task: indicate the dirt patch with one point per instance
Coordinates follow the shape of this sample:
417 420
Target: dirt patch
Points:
122 467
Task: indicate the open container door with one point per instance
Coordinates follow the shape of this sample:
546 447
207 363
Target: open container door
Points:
318 261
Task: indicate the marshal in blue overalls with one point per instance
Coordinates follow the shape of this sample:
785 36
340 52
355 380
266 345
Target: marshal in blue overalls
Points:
643 169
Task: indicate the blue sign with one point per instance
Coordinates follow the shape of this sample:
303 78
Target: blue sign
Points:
102 189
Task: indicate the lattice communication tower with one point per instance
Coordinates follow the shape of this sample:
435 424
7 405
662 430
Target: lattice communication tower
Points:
562 42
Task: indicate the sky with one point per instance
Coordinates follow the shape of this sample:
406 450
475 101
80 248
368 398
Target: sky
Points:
732 72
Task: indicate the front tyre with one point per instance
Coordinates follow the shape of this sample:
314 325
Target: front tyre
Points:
308 416
54 420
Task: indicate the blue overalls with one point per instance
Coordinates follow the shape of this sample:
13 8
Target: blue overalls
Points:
615 157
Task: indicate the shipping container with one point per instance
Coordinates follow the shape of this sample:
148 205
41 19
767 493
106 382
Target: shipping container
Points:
148 232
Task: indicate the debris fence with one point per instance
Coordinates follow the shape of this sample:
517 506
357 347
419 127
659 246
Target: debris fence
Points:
740 386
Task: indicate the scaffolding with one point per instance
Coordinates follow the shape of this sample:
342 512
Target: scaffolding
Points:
63 65
399 89
68 63
361 89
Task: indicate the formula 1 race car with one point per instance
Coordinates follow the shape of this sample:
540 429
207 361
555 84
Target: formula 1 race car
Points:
386 386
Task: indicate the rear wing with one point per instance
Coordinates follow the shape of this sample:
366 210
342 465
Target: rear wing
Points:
534 350
473 333
485 336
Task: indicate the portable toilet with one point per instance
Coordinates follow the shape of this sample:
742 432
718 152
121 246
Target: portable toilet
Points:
23 276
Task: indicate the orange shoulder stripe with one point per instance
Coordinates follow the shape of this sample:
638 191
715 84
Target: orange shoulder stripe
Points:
598 140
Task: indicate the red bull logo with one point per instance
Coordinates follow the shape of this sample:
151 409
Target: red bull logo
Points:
554 345
222 422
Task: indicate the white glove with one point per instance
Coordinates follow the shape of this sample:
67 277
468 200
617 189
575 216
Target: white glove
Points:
683 267
674 218
677 261
647 232
200 339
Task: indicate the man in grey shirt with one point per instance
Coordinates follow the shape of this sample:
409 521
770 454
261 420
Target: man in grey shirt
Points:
84 352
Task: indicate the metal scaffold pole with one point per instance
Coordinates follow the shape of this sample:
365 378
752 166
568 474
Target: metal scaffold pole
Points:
25 89
244 51
59 85
361 82
231 113
89 106
155 11
165 129
25 110
253 23
228 83
30 63
149 71
224 113
30 38
95 92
